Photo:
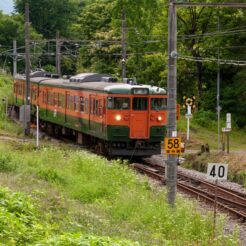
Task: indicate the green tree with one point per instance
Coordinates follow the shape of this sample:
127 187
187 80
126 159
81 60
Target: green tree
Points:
12 27
49 16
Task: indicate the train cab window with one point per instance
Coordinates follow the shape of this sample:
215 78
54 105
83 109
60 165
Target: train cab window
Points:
121 103
140 103
82 104
158 103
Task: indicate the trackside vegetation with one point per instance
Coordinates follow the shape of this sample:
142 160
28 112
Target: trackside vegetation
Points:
71 196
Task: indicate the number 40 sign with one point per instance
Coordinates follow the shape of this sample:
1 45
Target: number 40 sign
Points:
217 171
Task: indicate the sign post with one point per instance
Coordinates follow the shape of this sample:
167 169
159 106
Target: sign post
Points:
188 117
226 132
189 104
37 122
217 171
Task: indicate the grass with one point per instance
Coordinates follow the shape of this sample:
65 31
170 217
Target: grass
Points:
209 134
82 194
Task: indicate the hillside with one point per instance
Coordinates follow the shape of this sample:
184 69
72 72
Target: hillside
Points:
208 135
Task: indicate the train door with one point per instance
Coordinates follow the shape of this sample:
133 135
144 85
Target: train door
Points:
103 117
139 118
92 111
66 105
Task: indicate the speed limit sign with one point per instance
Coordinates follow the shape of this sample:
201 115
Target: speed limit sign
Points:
217 171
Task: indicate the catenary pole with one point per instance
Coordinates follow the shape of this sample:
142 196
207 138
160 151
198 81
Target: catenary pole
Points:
123 42
58 54
218 90
171 163
14 57
27 64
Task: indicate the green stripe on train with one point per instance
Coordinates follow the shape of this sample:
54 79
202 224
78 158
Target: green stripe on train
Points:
99 130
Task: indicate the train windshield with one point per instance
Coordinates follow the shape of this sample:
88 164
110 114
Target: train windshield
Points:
158 103
140 103
118 103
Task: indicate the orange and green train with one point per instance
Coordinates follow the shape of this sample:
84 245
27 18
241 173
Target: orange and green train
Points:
118 119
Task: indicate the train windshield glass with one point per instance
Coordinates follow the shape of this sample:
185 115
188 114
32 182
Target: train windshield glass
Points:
118 103
158 103
140 103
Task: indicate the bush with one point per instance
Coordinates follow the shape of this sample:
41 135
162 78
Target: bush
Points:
204 118
20 223
50 175
7 164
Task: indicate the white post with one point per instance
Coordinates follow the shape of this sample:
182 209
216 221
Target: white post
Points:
188 116
188 128
37 116
6 107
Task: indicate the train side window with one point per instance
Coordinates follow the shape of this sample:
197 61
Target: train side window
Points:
44 97
60 100
50 98
55 99
86 105
82 104
100 107
158 103
71 106
34 94
76 103
67 101
96 107
140 103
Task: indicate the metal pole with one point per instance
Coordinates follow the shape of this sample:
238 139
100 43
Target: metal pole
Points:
37 127
218 90
188 129
215 205
171 163
58 54
123 43
6 107
14 58
27 60
228 143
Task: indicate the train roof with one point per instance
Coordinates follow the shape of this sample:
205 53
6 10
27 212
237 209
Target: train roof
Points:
98 86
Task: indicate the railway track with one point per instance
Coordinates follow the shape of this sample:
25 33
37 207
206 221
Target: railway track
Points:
226 200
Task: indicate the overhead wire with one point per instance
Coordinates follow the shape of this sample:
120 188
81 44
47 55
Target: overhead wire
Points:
214 60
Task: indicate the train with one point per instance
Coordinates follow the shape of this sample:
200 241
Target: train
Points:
116 118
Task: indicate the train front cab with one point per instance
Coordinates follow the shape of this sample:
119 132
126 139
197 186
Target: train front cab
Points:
136 124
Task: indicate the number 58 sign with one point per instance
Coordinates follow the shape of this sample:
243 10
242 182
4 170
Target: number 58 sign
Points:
173 146
217 171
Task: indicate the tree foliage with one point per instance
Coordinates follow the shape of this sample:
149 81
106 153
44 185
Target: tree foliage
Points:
49 16
93 32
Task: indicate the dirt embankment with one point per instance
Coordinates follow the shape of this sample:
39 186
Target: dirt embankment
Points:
236 161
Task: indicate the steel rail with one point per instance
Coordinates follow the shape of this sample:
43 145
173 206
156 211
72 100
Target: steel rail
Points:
237 208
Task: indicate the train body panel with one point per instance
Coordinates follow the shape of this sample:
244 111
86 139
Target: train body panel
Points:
122 119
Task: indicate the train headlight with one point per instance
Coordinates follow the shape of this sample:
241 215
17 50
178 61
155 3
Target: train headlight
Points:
118 117
159 118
